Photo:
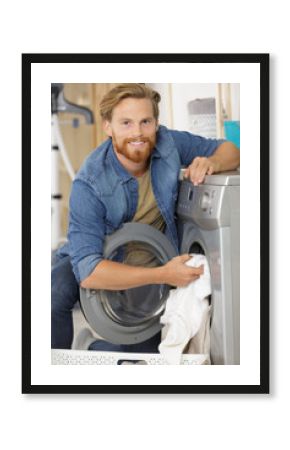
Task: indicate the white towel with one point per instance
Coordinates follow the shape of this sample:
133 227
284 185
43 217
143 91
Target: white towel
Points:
184 312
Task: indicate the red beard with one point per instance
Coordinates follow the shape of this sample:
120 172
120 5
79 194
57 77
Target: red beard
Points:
134 154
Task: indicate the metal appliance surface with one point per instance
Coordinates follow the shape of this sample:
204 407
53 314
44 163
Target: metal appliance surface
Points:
209 223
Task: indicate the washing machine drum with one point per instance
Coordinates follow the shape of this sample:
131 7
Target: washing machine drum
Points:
133 315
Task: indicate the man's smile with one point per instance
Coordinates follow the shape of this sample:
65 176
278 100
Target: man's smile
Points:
137 143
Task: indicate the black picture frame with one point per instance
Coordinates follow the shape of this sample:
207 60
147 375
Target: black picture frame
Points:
263 61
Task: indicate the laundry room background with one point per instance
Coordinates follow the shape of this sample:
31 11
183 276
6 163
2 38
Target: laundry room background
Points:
207 109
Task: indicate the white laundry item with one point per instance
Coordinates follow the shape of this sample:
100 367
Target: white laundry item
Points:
184 312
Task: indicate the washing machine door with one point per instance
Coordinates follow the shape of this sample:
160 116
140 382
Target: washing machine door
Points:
133 315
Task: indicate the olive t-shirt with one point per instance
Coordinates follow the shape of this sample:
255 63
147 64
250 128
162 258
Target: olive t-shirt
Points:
147 212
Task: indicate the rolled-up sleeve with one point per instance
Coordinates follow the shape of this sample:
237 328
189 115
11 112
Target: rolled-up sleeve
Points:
190 145
86 229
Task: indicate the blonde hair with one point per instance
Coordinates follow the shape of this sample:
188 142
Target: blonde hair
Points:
128 90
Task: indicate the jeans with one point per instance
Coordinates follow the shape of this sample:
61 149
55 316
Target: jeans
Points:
64 295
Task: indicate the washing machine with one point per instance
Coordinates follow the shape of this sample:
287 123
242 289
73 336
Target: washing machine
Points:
113 314
209 223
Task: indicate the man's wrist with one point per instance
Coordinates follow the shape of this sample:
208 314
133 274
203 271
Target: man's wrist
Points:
216 165
160 275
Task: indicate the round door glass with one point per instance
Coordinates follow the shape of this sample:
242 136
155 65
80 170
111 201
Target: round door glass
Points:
136 305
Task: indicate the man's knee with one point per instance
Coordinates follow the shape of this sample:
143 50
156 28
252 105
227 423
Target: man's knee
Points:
63 300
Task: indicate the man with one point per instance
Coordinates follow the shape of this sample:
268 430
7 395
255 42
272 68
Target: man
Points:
133 176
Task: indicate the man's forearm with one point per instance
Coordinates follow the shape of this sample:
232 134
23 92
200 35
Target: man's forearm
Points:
226 157
116 276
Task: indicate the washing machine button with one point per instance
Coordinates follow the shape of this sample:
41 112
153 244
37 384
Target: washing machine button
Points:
205 201
190 194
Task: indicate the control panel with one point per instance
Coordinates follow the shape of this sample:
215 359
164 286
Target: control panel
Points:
202 201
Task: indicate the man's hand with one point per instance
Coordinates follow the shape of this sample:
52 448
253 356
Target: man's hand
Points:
226 157
176 273
199 168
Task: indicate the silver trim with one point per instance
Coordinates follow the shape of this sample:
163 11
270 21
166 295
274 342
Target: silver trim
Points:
230 178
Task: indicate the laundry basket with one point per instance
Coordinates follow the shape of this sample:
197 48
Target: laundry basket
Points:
202 117
89 357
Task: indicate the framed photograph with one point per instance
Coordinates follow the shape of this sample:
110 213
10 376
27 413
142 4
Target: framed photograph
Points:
205 101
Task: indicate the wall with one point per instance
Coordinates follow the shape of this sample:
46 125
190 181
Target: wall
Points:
175 97
79 142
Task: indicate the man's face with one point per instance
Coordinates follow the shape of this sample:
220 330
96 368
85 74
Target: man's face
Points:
133 129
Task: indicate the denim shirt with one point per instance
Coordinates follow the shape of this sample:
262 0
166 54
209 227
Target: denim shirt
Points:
104 195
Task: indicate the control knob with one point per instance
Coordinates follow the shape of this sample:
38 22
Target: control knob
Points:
205 201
